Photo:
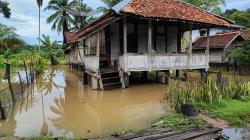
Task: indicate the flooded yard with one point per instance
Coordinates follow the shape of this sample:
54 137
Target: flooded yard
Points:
59 104
238 133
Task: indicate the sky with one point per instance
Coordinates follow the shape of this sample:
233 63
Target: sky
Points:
25 17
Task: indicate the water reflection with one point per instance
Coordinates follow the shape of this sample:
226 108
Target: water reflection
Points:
59 104
238 133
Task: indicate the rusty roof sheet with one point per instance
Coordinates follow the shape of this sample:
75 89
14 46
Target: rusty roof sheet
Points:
220 40
246 34
68 35
172 10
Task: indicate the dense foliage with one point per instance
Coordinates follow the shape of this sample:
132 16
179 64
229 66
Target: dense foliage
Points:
14 49
9 38
213 6
210 93
4 9
108 5
51 47
240 17
241 54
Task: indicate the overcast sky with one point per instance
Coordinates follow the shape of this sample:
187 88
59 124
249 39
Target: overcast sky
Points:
25 17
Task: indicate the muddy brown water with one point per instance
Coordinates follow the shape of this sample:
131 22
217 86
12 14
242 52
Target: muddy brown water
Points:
58 104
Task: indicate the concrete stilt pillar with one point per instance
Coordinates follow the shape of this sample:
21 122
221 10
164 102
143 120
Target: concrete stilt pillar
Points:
167 77
157 76
126 79
177 74
144 75
94 83
204 75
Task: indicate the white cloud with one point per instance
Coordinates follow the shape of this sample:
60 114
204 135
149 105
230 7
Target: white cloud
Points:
25 17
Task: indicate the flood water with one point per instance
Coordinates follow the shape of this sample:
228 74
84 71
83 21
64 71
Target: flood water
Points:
59 104
237 133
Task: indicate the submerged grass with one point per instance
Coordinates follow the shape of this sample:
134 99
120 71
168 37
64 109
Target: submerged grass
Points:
180 122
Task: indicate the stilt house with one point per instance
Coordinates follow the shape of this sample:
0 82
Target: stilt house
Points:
140 36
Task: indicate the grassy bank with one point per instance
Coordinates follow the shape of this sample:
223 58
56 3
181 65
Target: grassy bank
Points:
236 112
227 98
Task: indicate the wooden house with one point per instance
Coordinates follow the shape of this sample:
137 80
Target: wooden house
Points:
140 36
220 45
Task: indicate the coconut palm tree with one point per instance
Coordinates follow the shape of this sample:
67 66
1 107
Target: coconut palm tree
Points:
50 46
9 38
83 14
109 4
39 3
61 19
4 9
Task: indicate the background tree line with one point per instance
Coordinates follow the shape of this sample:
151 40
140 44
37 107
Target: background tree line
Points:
72 15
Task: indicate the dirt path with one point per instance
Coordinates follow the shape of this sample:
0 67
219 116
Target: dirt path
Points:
215 122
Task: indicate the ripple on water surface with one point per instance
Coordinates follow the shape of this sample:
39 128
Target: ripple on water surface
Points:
58 104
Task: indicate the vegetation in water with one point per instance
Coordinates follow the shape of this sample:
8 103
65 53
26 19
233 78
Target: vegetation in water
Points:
15 51
214 96
180 122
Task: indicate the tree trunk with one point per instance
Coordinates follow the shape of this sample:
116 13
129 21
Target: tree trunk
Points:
65 28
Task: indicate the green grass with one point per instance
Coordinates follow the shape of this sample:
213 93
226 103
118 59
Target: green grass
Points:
236 112
179 122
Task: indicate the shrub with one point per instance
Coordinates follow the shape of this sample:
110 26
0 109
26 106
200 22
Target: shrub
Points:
208 94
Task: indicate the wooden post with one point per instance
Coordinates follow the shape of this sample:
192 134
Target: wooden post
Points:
150 43
20 80
98 44
2 113
167 77
25 67
190 47
125 42
207 49
11 89
98 56
7 70
179 36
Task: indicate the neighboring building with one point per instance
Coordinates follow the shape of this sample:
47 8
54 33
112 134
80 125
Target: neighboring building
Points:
139 36
220 45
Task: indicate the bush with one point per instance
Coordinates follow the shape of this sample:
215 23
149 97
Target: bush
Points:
241 54
208 94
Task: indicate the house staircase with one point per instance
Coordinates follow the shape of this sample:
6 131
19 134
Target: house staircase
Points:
110 79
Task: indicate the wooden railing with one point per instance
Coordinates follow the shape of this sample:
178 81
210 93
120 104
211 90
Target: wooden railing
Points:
147 62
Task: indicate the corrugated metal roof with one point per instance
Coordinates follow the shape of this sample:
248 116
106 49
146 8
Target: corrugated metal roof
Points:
120 5
217 41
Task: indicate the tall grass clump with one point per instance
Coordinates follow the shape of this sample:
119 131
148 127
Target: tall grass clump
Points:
207 94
